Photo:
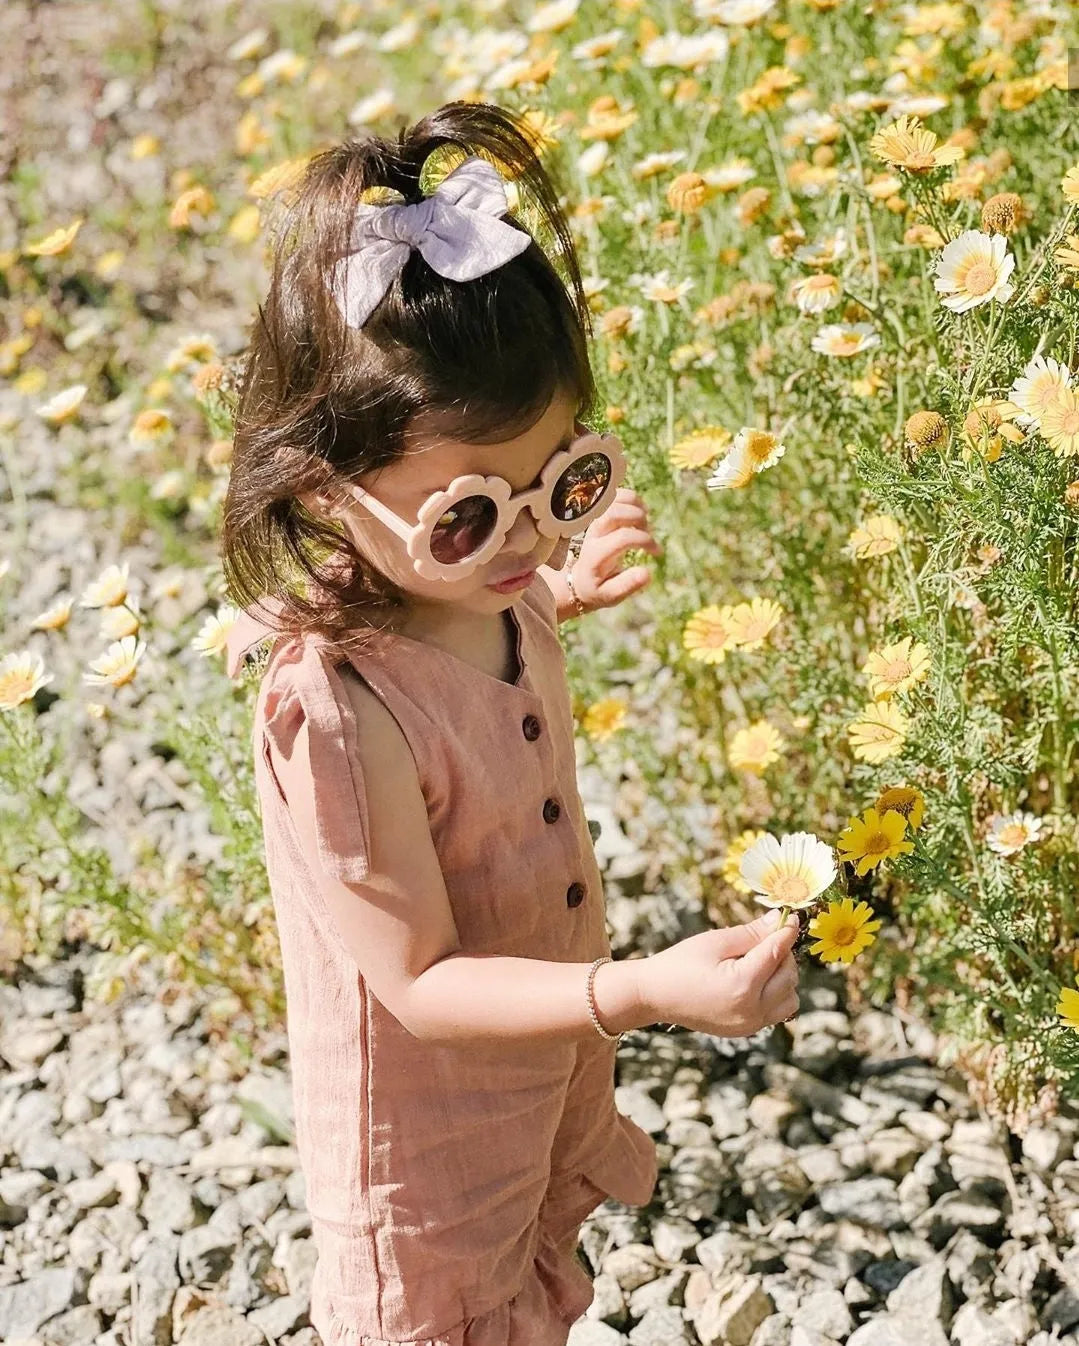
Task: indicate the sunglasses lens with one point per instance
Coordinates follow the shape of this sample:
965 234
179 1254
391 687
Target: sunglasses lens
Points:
463 529
580 486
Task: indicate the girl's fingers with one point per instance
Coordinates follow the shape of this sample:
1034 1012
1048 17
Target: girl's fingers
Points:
621 585
621 540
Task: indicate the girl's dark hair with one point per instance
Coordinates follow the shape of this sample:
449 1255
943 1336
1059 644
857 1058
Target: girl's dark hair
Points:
320 402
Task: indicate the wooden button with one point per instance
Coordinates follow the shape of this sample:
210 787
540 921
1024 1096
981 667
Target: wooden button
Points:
551 810
575 895
531 726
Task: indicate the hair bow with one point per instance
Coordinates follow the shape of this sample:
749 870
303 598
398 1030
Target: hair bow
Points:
456 229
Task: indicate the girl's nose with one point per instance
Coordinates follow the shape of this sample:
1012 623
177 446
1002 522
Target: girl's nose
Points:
523 533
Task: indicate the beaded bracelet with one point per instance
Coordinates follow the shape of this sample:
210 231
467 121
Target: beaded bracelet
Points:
611 1037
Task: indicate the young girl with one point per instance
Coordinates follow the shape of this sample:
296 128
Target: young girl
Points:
407 443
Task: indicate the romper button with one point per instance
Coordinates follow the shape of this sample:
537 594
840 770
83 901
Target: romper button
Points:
551 810
531 726
575 895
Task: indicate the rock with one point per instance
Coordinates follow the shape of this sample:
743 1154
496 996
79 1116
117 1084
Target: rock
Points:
973 1326
633 1265
608 1301
589 1332
774 1331
895 1329
973 1210
1044 1147
640 1107
734 1310
870 1201
892 1153
673 1237
825 1312
27 1304
661 1327
771 1111
661 1293
218 1325
925 1292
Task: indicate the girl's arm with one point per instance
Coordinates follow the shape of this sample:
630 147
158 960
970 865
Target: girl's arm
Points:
397 923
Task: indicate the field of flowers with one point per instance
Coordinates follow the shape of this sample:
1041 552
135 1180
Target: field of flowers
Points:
832 252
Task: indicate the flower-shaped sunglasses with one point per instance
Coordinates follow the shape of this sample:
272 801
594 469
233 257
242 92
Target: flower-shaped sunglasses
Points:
464 525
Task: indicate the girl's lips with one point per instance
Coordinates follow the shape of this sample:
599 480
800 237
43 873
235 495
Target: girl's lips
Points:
514 582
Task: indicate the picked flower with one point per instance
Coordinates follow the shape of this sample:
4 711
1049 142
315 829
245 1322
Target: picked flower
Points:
732 861
1039 386
872 838
117 665
879 535
21 673
755 747
903 799
896 668
1009 833
842 931
973 269
879 732
789 872
214 631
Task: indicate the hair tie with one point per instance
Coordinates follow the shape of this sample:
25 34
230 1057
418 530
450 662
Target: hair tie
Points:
456 229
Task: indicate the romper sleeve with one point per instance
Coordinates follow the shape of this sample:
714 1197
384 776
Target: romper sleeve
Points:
309 737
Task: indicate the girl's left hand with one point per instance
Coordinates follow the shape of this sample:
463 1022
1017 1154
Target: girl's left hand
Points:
597 577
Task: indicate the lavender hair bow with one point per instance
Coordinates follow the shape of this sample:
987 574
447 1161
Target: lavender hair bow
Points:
457 230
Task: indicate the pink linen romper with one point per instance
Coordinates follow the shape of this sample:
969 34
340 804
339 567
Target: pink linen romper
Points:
446 1184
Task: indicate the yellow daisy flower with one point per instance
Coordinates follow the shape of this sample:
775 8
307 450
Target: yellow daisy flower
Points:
902 799
874 837
842 931
150 426
1068 1007
604 717
1038 387
896 668
64 406
1060 423
732 861
55 243
1067 255
756 747
909 145
879 535
707 636
750 623
879 732
1070 186
700 447
21 674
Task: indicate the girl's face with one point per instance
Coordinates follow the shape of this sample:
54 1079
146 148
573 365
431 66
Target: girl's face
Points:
430 462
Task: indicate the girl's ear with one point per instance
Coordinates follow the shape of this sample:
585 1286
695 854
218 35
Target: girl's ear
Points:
318 503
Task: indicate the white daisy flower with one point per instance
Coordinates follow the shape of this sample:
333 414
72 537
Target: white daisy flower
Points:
118 664
973 269
214 631
685 52
815 294
21 673
109 589
1010 832
64 406
789 872
844 339
1039 385
729 175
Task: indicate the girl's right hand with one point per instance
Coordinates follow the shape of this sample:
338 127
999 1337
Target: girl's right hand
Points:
730 982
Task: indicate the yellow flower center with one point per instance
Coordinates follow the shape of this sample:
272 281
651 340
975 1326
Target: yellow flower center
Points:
1069 422
896 670
790 888
919 160
844 935
980 278
877 843
848 343
1015 834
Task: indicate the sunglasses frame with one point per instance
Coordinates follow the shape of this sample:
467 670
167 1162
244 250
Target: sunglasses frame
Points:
417 536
